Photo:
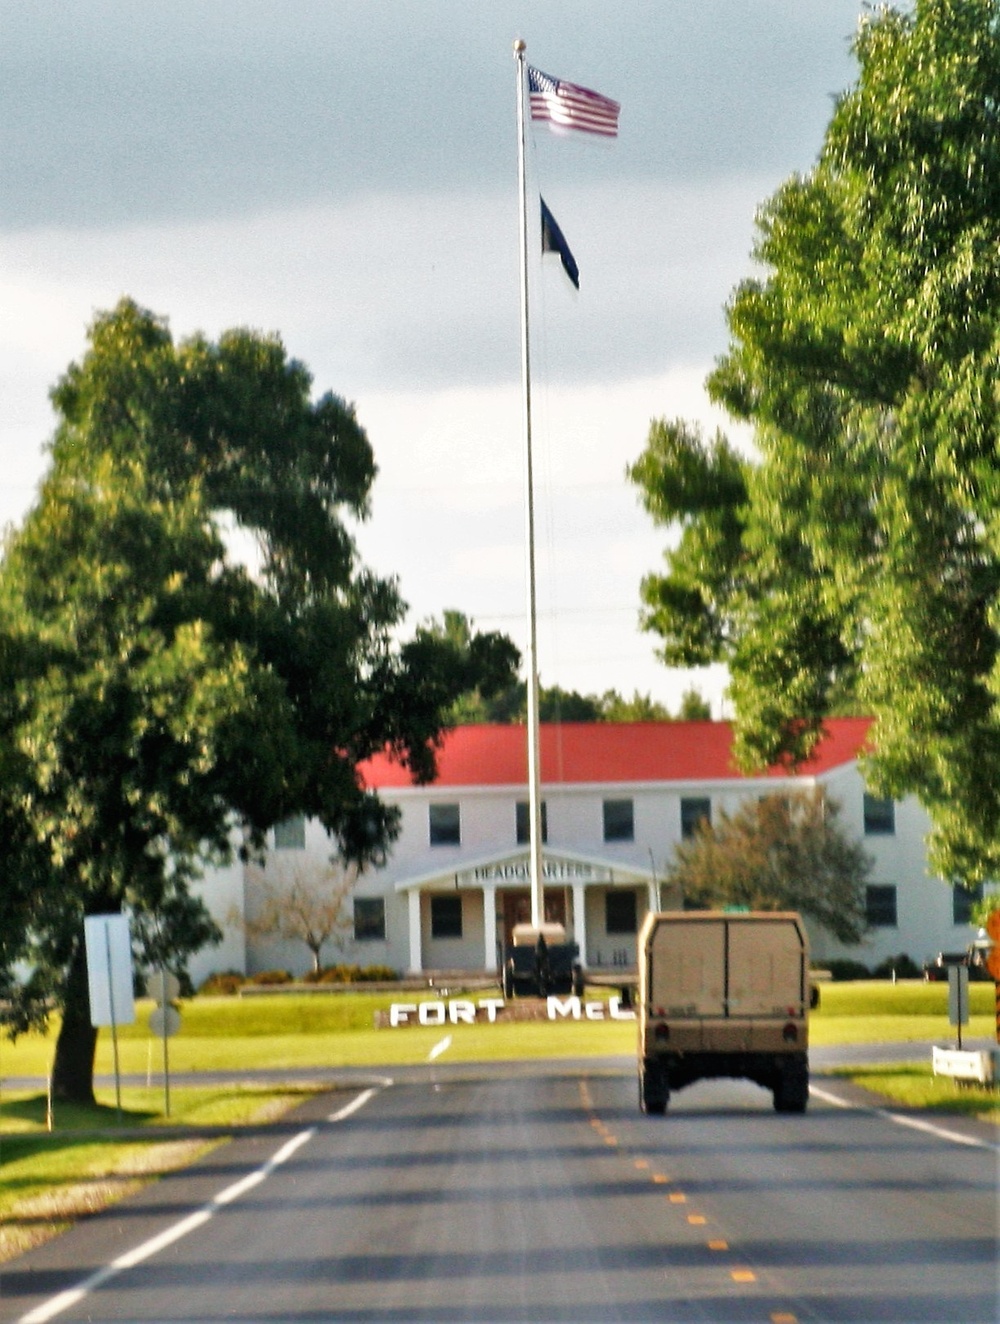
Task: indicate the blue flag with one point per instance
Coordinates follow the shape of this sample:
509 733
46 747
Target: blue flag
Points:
553 241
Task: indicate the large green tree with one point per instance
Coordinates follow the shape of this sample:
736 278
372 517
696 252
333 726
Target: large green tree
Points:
856 559
157 696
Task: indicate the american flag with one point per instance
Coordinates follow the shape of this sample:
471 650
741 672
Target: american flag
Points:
566 106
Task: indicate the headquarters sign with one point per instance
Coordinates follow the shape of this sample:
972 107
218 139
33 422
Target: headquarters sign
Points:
517 869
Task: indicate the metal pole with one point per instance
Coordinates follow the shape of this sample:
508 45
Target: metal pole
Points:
166 1060
114 1024
534 740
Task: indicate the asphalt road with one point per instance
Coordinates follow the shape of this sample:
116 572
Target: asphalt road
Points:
541 1193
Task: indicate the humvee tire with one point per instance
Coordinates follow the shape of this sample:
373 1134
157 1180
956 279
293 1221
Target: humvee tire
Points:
654 1089
791 1090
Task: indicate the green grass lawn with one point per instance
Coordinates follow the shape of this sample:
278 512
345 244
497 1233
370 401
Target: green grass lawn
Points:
47 1183
288 1031
914 1085
876 1011
49 1179
24 1112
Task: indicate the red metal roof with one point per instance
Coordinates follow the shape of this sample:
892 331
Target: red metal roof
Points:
576 752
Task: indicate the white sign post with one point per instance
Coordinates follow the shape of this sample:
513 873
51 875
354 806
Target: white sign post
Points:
109 979
164 1020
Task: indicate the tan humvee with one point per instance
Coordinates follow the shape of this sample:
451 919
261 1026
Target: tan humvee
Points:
723 994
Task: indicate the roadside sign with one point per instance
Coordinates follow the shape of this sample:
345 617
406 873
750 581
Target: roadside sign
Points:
109 979
163 986
109 969
958 997
164 1021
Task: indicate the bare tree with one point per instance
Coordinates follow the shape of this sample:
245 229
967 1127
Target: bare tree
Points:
308 903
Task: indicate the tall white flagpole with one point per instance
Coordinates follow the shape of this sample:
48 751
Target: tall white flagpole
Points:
534 741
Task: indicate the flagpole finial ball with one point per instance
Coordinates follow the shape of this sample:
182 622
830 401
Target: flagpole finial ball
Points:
519 46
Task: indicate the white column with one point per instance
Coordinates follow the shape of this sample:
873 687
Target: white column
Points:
416 953
490 928
580 920
653 889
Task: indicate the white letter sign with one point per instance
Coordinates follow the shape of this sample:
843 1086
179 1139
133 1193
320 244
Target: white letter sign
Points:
556 1007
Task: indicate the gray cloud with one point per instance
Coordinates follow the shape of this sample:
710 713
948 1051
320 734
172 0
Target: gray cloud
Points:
343 171
116 113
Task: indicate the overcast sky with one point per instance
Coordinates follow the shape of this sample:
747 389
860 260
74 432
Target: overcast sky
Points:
345 174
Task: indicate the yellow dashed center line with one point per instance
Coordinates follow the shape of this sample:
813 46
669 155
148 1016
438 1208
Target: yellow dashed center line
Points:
679 1197
784 1317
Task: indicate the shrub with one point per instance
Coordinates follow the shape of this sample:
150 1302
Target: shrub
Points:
339 974
226 982
377 974
844 968
354 974
271 977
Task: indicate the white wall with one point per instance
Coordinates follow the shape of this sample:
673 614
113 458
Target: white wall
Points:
923 901
222 892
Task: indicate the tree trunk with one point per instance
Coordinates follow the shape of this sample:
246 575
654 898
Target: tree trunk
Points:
73 1070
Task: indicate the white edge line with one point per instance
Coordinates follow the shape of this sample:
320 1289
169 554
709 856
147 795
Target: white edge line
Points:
440 1047
915 1123
830 1098
353 1106
73 1295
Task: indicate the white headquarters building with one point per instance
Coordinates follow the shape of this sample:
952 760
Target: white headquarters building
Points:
617 799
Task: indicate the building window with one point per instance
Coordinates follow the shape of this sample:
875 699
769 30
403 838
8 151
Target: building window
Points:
445 825
369 919
880 816
962 901
291 834
619 820
523 819
694 811
880 906
446 917
619 912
